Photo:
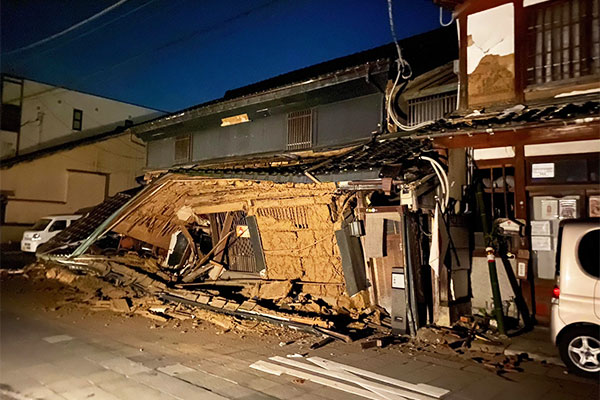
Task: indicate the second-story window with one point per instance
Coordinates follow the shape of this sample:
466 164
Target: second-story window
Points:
300 130
563 38
182 149
430 108
77 119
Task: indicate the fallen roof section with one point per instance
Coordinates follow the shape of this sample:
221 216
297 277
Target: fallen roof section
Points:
82 228
562 111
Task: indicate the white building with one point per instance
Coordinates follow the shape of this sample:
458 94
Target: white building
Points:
62 150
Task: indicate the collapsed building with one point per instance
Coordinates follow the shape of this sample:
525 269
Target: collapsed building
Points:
295 194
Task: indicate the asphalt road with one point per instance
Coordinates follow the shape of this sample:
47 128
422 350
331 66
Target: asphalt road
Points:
52 349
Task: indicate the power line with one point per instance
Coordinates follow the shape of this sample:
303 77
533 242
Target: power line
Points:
403 66
89 32
63 32
181 39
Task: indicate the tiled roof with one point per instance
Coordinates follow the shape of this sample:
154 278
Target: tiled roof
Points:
371 156
576 109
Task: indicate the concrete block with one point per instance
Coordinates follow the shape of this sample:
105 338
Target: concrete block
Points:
175 387
124 366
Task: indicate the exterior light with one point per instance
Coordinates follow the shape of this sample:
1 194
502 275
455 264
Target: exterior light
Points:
236 119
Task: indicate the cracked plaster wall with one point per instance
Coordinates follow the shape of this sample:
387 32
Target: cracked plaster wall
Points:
490 56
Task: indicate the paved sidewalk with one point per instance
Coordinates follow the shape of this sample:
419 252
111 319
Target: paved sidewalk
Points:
76 354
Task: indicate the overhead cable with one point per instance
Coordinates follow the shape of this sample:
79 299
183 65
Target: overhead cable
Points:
442 23
69 29
404 72
94 29
403 65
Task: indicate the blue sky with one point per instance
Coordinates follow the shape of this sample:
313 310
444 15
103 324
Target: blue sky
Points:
172 54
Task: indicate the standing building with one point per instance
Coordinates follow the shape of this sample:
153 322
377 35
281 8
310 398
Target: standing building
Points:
527 127
62 150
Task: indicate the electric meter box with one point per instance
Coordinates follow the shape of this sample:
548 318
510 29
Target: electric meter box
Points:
398 301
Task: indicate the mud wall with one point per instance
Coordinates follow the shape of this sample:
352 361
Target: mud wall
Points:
297 224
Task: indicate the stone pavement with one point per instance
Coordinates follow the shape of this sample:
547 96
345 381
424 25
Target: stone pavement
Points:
101 355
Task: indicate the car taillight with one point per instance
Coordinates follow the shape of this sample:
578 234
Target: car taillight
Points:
556 292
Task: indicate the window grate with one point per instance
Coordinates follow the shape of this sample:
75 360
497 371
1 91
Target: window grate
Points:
300 130
182 149
298 215
77 119
430 108
563 40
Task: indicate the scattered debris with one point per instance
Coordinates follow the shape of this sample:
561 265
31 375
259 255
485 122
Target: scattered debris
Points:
296 355
378 342
323 342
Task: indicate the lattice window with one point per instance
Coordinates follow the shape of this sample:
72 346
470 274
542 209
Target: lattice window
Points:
182 149
298 215
563 40
430 108
300 130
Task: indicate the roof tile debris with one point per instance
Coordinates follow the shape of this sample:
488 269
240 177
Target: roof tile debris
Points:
519 116
82 228
370 156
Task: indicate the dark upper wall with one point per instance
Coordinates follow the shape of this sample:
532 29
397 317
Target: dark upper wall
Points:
345 96
334 125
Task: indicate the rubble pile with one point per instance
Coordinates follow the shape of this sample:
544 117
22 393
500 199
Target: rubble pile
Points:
108 285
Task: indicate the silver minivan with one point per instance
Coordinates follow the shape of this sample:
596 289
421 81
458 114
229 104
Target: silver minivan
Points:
575 321
45 229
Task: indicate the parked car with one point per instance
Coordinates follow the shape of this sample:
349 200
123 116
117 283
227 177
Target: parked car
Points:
44 229
575 323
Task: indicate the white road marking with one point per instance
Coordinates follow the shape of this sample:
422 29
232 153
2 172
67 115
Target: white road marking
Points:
58 338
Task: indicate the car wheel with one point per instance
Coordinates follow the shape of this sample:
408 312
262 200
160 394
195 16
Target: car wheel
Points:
579 349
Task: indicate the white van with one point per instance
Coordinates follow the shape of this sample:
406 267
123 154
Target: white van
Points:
575 321
45 229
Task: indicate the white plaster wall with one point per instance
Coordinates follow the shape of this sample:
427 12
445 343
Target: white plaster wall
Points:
8 143
47 111
549 149
62 191
491 32
482 290
527 3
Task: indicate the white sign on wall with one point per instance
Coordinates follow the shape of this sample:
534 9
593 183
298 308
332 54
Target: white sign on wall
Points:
397 280
541 243
542 170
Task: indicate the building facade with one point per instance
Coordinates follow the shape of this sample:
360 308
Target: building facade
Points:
62 151
527 129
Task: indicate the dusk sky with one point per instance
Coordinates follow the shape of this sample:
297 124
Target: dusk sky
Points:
172 54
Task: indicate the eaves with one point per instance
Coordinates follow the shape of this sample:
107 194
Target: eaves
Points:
363 71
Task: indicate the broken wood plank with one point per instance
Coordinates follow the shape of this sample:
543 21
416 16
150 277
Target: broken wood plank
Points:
375 387
156 317
120 305
419 388
321 343
275 369
193 273
216 271
180 315
335 335
219 251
